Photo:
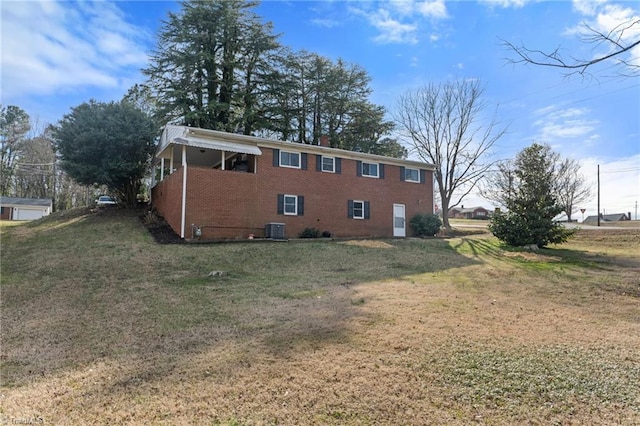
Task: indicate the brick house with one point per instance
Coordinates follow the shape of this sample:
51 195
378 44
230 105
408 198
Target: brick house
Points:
469 213
215 185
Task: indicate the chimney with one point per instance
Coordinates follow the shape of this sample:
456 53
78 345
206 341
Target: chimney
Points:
324 140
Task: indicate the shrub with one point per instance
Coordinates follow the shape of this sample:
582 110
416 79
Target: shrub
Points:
425 225
309 233
326 234
524 229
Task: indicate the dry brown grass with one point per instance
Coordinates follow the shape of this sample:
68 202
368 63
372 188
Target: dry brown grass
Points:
102 326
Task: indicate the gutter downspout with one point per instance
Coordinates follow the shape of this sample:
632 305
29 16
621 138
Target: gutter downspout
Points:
184 191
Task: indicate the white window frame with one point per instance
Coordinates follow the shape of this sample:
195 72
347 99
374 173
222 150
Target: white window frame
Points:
416 180
295 205
361 209
333 164
282 163
377 175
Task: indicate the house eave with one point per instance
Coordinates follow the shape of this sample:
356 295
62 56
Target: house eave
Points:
181 134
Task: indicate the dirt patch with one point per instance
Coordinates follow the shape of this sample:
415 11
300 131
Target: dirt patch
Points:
159 229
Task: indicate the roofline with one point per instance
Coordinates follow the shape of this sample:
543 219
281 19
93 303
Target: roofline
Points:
276 144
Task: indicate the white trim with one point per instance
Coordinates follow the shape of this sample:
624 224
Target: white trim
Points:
217 145
411 180
376 176
397 231
287 165
184 191
333 164
354 209
284 205
172 131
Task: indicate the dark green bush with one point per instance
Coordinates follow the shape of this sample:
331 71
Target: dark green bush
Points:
530 228
309 233
326 234
425 225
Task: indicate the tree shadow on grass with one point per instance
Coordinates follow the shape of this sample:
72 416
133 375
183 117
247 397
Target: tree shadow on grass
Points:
104 294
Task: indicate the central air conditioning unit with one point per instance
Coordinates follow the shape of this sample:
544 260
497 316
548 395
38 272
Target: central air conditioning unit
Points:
274 231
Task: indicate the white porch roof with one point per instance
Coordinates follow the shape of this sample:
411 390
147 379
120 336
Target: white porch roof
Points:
218 145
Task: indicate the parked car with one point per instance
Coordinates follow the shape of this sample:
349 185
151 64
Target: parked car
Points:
105 200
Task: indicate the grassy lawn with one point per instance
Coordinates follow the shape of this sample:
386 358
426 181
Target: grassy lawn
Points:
101 325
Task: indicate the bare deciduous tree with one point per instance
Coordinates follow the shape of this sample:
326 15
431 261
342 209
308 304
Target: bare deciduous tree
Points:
445 129
616 43
571 186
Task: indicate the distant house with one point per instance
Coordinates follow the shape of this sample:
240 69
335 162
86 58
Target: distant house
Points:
615 217
214 185
469 213
12 208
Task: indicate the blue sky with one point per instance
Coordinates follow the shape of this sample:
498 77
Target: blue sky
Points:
56 55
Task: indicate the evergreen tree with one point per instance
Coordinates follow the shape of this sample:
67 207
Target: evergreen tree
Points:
107 144
531 202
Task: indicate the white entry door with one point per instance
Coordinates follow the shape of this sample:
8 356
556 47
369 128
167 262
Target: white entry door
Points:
399 222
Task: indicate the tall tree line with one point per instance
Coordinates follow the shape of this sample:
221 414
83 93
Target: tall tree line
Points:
218 66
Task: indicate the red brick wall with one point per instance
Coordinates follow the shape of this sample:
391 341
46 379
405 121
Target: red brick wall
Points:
228 204
6 213
166 197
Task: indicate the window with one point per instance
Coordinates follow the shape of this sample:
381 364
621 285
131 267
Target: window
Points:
358 209
290 205
290 159
375 170
412 175
370 169
295 160
328 164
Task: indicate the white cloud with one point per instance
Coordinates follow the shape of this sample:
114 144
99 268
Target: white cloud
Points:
432 9
620 23
399 21
50 47
325 23
391 30
557 124
505 3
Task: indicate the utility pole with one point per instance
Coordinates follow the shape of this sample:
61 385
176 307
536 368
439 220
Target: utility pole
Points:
598 194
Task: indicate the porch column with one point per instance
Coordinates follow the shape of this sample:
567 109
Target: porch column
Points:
224 159
171 161
184 190
161 169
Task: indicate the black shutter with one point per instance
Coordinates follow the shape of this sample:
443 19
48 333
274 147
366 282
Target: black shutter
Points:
359 168
338 165
350 209
381 171
402 173
300 205
367 215
276 158
318 163
280 203
423 176
303 161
